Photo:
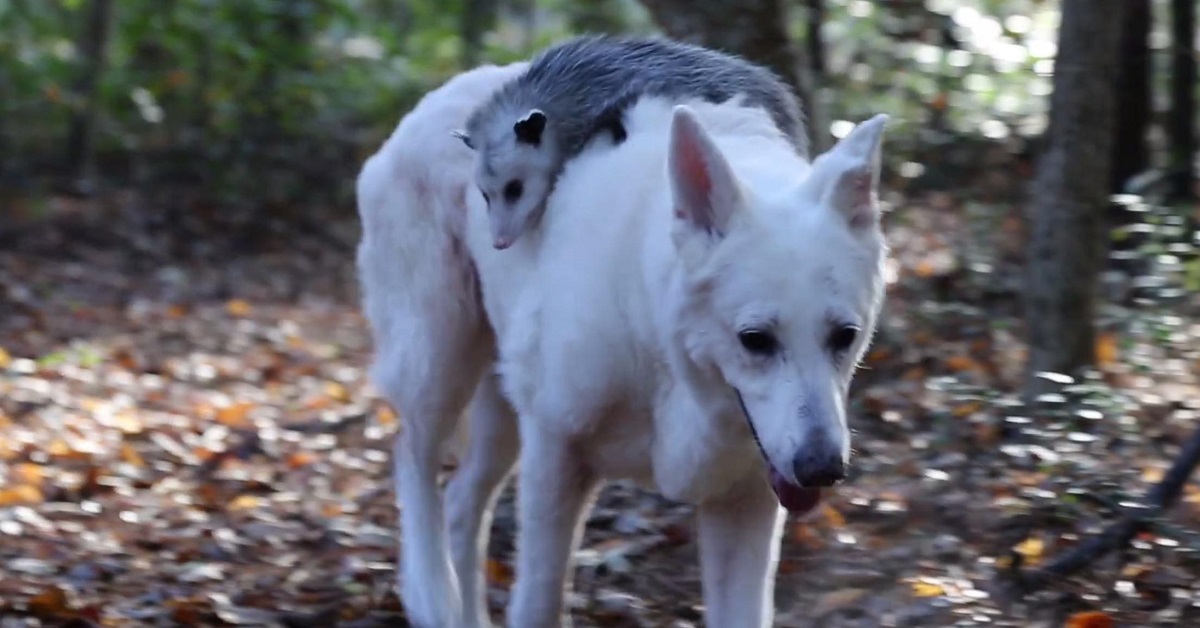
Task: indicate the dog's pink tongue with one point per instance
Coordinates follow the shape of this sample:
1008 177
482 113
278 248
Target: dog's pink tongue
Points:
796 499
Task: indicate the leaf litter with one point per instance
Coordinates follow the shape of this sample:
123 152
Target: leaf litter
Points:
187 437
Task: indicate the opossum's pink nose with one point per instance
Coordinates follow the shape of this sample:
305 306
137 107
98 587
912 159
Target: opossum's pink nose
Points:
502 242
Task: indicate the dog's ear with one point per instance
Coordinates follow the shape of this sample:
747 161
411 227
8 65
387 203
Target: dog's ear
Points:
846 177
462 135
704 189
530 128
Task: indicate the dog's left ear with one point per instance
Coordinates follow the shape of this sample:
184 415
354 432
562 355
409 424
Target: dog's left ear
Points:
846 177
530 128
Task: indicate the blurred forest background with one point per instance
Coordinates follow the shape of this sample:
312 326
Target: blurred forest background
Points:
186 432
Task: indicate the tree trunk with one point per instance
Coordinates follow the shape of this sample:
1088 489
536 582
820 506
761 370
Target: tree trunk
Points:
1130 153
478 17
596 16
1183 98
1067 241
818 122
93 47
754 29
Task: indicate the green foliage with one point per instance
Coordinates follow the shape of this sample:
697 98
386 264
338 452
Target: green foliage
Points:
277 99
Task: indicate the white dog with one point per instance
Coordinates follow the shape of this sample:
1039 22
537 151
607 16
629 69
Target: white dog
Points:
688 314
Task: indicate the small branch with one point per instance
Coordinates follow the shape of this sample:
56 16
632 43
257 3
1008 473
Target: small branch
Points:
1162 496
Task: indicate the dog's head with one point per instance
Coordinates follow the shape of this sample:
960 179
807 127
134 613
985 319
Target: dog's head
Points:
784 284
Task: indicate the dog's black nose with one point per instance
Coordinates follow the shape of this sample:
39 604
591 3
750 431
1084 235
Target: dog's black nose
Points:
818 466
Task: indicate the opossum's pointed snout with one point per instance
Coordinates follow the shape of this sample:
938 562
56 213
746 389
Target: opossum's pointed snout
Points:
505 227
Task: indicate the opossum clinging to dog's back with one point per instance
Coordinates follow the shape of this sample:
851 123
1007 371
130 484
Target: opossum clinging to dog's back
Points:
578 89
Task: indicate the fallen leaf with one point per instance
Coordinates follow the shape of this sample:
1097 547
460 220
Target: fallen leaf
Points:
49 603
5 358
386 416
1031 549
833 517
837 600
499 574
300 459
1153 475
1090 619
959 363
238 307
20 494
235 415
1106 350
30 473
337 392
925 588
963 410
131 455
245 502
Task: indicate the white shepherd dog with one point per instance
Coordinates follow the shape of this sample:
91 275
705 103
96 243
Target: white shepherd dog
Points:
688 314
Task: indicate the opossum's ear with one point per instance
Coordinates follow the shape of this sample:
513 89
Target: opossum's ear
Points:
529 129
846 177
462 135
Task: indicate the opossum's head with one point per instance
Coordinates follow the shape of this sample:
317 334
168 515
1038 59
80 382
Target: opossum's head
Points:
514 164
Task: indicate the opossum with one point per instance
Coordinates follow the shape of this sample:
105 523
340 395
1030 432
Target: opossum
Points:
579 89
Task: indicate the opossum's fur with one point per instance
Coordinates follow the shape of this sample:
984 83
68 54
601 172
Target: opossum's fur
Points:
580 89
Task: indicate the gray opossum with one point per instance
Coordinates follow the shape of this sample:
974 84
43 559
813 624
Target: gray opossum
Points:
573 91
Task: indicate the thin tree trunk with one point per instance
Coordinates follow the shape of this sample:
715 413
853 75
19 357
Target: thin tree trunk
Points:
1183 97
93 46
1130 153
478 17
596 16
1070 189
818 122
754 29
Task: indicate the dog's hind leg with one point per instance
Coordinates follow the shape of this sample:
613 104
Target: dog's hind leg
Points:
739 549
429 386
471 494
554 489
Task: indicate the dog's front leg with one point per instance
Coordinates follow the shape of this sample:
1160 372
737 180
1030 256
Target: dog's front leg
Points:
554 487
739 549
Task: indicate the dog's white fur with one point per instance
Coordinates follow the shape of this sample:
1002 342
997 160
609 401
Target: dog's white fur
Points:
617 325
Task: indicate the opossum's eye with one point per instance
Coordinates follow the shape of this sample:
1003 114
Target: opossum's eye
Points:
758 341
486 198
513 190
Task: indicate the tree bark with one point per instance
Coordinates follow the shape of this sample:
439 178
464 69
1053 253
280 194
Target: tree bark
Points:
596 16
478 17
1067 241
818 122
754 29
1183 98
1131 155
93 46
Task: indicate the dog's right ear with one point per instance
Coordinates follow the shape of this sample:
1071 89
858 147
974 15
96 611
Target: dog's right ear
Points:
846 177
704 189
462 135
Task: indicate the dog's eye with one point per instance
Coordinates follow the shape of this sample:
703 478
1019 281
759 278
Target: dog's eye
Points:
513 190
841 338
758 342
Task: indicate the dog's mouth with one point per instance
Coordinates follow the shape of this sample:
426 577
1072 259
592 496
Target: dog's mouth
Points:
795 498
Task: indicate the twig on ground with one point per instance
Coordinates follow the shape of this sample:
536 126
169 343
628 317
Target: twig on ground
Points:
1161 497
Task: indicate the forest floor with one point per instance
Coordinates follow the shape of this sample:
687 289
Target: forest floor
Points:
187 438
